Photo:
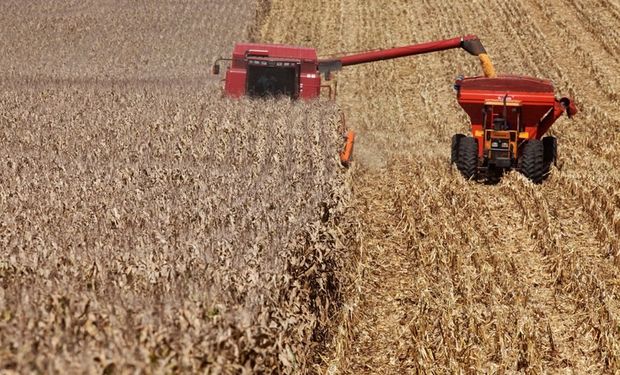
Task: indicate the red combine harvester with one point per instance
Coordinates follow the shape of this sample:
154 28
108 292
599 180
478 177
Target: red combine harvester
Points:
509 116
268 70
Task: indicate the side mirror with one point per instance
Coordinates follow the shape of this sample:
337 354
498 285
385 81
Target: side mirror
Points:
216 69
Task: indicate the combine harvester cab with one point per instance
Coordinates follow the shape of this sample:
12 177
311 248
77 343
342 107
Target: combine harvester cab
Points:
272 70
263 70
509 117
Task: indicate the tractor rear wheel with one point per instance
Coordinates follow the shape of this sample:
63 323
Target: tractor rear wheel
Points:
456 139
550 145
533 161
467 157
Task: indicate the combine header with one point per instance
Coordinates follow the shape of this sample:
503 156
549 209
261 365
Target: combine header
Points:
509 117
267 70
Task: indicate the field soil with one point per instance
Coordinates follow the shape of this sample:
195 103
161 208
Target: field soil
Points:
461 277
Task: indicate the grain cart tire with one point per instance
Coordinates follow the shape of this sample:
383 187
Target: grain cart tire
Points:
467 158
550 145
456 139
533 161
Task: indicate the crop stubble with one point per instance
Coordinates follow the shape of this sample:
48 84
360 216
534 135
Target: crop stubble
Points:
455 276
98 142
147 224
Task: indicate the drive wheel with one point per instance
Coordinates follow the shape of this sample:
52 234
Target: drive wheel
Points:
550 145
533 161
456 139
467 157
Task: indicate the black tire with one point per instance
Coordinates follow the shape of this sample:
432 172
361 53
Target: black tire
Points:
467 158
550 145
533 161
456 139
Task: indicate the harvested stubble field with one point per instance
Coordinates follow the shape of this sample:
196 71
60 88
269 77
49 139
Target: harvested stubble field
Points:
147 224
458 277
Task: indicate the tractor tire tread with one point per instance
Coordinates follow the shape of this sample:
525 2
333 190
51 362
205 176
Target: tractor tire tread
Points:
467 160
533 161
550 145
454 149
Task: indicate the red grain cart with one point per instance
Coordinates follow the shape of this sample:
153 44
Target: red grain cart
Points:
509 117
